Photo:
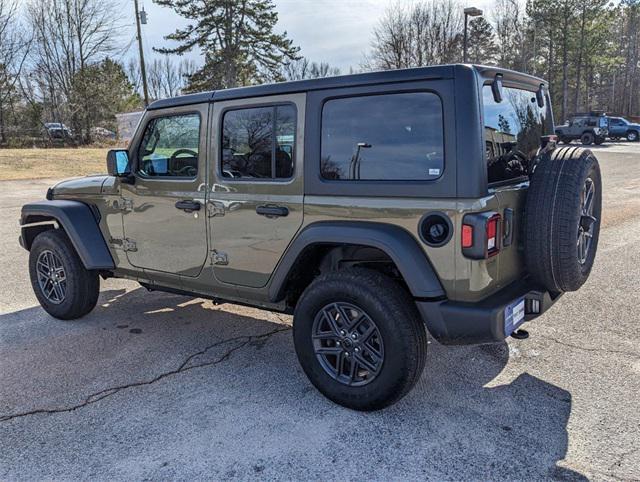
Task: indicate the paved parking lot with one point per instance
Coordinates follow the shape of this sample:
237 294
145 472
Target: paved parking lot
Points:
156 386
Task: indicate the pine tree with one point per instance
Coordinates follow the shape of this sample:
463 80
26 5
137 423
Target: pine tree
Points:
236 38
482 45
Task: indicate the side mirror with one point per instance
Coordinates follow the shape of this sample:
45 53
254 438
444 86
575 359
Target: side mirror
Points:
496 89
540 96
118 163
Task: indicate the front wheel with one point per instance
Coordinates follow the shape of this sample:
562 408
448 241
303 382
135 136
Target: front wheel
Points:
63 286
632 136
359 338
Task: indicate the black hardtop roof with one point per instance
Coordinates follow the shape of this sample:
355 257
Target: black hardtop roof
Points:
593 113
386 76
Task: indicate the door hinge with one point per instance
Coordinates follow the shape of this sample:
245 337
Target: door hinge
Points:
123 204
126 244
219 257
215 208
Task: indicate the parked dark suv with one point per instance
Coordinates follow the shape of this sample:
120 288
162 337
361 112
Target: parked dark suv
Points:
372 207
589 128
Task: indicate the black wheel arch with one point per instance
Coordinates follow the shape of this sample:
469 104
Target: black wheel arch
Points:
321 245
78 221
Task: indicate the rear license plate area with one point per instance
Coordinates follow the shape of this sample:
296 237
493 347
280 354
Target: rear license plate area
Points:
513 316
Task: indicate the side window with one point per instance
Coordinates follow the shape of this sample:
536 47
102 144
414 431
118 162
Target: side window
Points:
383 137
169 147
259 143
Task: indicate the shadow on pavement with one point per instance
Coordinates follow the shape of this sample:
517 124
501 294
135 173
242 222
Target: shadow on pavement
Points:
457 423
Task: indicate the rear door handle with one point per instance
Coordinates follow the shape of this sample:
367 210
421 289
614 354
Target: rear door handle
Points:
272 211
188 206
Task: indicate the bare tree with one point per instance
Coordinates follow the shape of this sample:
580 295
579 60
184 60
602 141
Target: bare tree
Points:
166 77
425 33
511 28
134 75
303 68
70 35
13 50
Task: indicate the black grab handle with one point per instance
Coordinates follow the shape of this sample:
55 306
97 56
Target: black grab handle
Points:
188 206
272 211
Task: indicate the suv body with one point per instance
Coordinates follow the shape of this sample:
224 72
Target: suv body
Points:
621 127
57 130
259 195
588 128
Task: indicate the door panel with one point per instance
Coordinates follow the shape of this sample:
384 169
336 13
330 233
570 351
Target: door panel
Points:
168 238
248 245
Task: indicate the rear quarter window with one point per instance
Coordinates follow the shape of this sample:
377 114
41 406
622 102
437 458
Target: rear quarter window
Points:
384 137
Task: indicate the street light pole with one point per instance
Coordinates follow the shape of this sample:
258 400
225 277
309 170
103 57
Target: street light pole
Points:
143 69
468 12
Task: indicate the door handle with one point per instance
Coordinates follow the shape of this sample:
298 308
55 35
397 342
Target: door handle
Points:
272 211
188 206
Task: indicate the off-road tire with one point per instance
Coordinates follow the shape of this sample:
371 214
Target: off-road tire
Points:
599 140
587 138
400 325
553 218
82 285
632 136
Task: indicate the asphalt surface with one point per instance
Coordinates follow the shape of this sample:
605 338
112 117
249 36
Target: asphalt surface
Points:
156 386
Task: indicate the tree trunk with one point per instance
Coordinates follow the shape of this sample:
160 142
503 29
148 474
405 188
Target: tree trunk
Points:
576 100
565 67
3 137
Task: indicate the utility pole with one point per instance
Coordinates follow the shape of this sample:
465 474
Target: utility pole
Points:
143 69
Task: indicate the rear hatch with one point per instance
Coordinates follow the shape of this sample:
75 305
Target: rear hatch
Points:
513 129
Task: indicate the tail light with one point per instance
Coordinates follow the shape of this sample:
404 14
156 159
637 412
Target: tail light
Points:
493 247
467 236
481 235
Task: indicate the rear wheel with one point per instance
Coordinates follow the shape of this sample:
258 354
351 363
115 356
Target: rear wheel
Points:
63 286
632 136
360 349
587 138
599 140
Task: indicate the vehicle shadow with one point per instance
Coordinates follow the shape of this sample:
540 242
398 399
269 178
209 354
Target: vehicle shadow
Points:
466 418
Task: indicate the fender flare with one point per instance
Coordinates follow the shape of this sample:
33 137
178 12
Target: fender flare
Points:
397 243
78 221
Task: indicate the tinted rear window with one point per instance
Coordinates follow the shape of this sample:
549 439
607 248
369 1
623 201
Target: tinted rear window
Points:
512 131
383 137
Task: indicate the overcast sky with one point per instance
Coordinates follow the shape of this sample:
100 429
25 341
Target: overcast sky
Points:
334 31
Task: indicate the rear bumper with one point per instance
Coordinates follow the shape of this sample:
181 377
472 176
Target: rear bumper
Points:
458 323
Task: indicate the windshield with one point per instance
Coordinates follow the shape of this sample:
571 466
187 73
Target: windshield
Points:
512 130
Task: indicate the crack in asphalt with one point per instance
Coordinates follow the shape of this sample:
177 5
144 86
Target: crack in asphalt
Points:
241 342
590 349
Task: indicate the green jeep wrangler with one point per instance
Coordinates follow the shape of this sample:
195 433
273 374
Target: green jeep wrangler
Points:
372 207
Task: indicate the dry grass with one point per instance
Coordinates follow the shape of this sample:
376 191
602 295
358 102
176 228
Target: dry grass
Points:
45 163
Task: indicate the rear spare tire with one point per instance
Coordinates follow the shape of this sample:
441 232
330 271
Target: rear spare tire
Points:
562 218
